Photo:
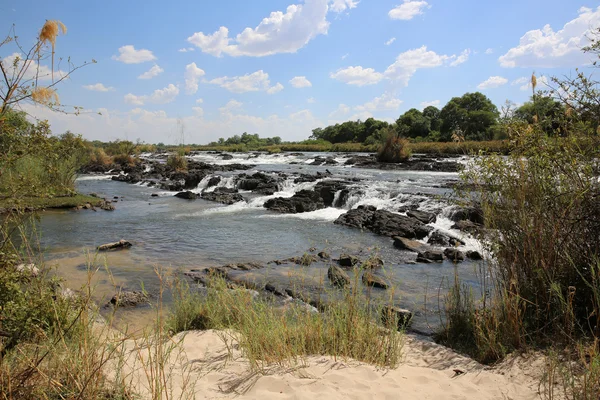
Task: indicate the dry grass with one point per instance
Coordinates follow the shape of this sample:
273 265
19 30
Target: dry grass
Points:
394 150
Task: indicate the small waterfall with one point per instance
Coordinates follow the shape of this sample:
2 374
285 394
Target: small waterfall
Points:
203 184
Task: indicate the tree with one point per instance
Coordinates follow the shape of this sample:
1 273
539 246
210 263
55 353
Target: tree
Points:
545 110
472 116
413 124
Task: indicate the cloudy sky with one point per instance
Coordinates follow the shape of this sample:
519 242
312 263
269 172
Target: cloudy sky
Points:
284 67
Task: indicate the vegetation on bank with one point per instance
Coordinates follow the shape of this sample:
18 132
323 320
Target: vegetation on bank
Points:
36 203
541 288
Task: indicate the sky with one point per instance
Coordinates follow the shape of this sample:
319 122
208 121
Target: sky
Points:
284 67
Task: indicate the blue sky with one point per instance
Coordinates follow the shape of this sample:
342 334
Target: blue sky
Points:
282 68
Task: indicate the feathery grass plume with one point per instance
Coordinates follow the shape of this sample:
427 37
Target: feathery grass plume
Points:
44 95
48 34
533 81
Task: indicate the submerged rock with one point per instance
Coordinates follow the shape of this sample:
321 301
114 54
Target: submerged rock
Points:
121 244
431 255
474 255
128 299
424 217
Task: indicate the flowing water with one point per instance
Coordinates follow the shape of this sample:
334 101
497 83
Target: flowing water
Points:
172 233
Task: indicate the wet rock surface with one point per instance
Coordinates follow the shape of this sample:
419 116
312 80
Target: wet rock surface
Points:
384 223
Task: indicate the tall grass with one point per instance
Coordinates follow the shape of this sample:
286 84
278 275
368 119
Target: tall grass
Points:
394 150
268 334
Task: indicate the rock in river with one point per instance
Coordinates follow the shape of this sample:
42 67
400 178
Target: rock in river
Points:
121 244
128 299
223 195
303 201
187 195
370 279
338 276
384 223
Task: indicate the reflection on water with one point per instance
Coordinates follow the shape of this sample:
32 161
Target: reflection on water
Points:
174 233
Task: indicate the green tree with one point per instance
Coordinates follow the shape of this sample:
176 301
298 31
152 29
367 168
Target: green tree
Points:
413 124
472 116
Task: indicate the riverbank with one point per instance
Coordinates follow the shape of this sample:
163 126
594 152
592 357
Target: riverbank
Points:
44 203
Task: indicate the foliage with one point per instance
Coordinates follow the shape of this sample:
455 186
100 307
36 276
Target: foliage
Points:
178 161
394 150
470 116
267 334
371 130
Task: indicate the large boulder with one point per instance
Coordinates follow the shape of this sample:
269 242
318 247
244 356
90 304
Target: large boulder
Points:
328 189
259 183
473 214
223 195
423 216
384 223
430 255
303 201
410 245
454 255
440 239
347 260
338 276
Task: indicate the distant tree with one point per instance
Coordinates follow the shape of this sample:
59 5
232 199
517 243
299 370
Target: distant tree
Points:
473 115
545 110
413 124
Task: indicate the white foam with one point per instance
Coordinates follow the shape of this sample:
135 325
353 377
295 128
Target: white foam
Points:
326 214
94 177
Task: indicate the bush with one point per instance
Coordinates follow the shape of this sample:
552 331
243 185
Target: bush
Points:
178 161
123 159
394 150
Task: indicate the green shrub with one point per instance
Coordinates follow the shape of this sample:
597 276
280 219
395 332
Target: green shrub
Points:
177 161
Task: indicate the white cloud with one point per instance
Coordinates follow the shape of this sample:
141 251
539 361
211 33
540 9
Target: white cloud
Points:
409 62
230 106
390 41
300 82
358 76
340 112
135 100
254 82
546 48
492 82
99 87
339 6
152 72
33 70
311 100
434 103
129 55
345 56
191 75
408 10
278 33
521 81
384 103
166 95
489 51
186 49
199 101
460 59
275 89
199 111
159 96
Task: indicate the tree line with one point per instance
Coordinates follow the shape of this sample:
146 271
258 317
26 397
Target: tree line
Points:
472 116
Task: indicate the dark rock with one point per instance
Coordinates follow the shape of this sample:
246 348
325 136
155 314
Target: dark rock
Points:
128 299
223 195
107 206
440 239
303 201
121 244
384 223
226 156
422 216
213 181
346 260
473 214
401 316
269 287
154 195
259 183
372 280
432 255
323 255
328 189
466 226
187 195
338 276
474 255
423 260
454 255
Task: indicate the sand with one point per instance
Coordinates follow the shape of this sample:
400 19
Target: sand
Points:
202 367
